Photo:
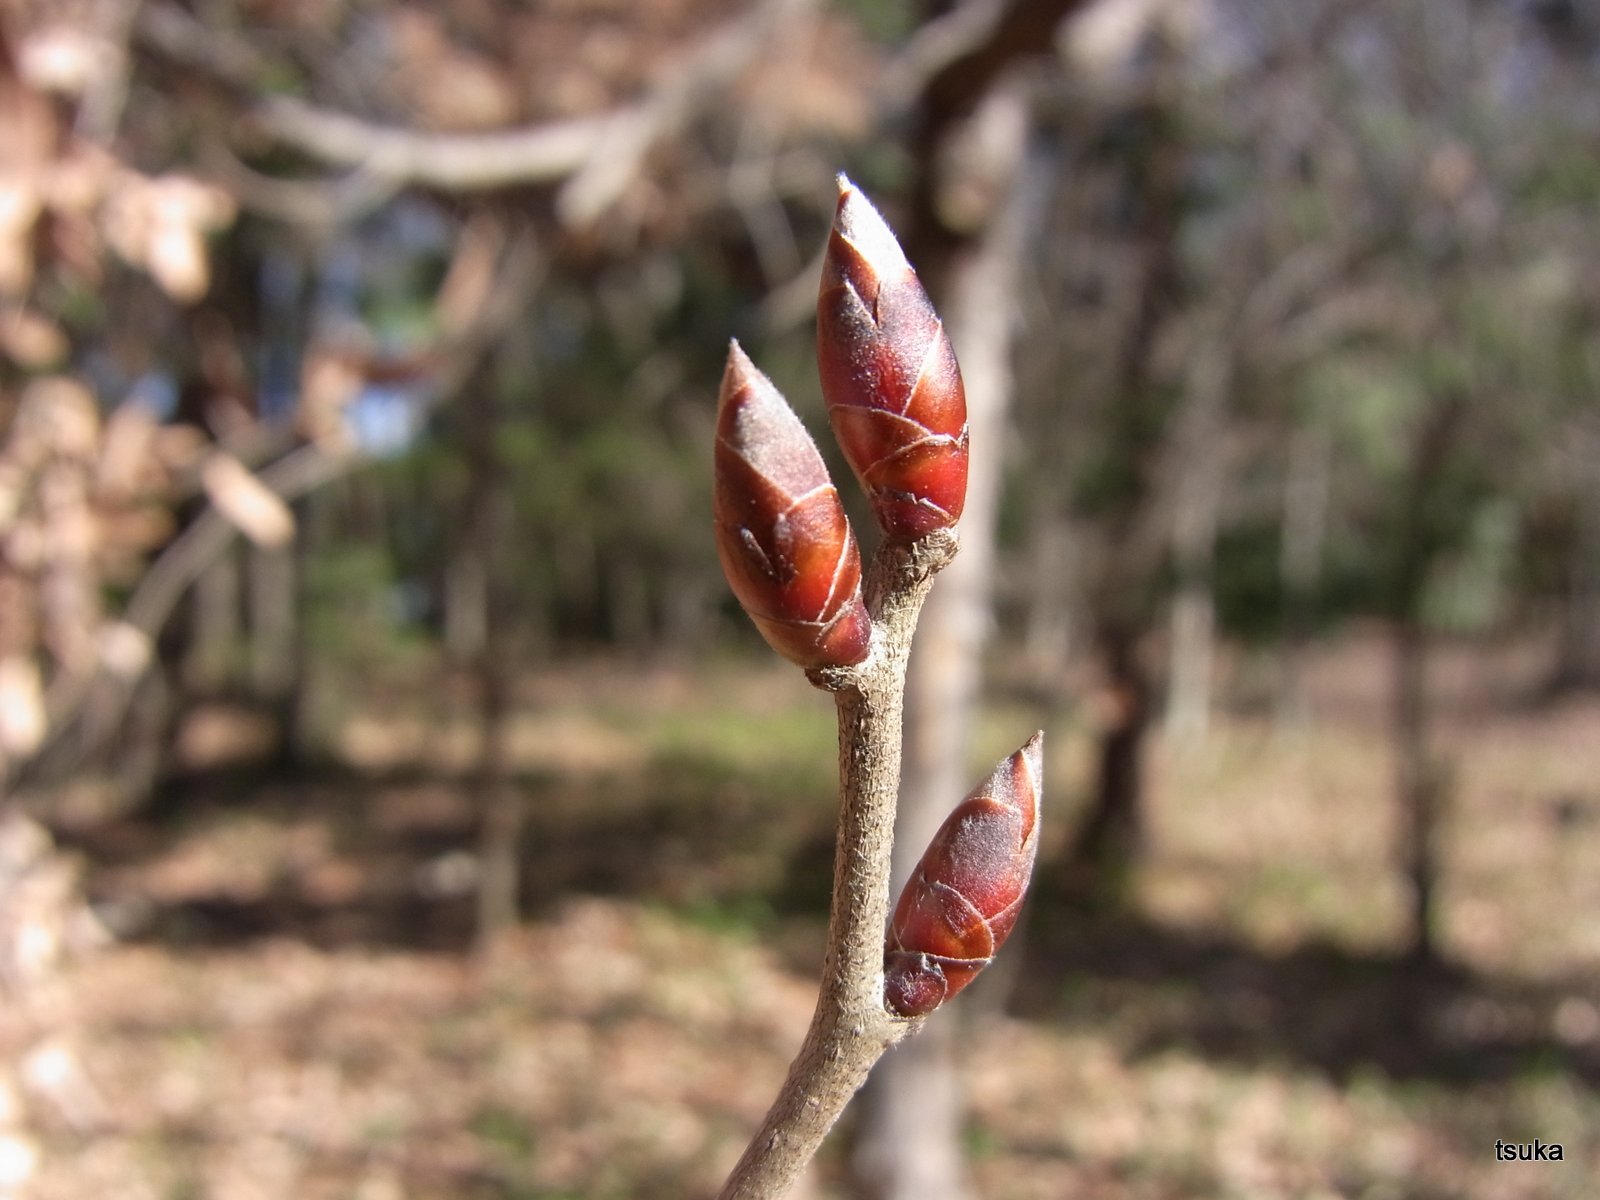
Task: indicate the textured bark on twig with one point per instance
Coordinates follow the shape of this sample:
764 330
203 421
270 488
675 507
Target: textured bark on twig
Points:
850 1028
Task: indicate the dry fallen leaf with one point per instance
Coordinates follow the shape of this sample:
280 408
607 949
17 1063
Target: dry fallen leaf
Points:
22 716
32 340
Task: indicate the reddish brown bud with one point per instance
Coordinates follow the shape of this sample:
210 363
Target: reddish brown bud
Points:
889 376
963 899
784 541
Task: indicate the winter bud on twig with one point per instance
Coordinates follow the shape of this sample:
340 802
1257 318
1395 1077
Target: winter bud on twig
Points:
889 376
784 541
963 899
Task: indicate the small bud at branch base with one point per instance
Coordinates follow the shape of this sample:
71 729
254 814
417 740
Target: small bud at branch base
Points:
964 897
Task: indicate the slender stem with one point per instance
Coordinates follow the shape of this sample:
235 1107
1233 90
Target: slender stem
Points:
850 1028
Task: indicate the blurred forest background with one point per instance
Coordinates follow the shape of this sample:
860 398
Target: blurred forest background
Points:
393 801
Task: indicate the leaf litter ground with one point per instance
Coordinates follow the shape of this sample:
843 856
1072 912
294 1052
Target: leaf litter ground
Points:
294 1009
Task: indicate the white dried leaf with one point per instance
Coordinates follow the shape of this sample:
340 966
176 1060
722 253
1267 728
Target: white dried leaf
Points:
258 512
23 721
19 1160
32 340
125 650
63 59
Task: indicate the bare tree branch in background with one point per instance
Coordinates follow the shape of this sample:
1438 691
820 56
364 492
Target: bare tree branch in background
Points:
473 314
597 156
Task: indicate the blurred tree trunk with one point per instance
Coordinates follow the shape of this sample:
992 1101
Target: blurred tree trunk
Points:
1048 617
1577 662
504 812
272 594
484 529
209 656
296 705
688 614
1419 781
1194 622
1110 836
465 598
1304 525
629 623
966 235
1422 531
1202 450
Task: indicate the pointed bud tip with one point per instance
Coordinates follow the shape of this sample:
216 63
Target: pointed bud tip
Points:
862 225
1032 753
756 422
741 376
738 361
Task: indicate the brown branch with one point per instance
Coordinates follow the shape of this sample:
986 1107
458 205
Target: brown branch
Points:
618 157
324 203
599 156
851 1028
454 161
